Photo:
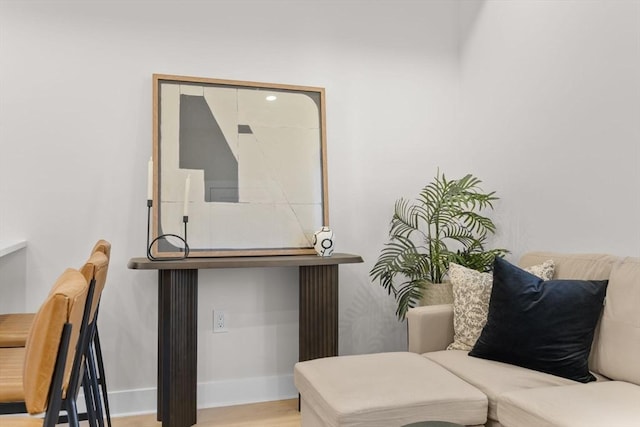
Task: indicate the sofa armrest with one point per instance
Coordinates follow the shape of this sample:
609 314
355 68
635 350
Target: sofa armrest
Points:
430 328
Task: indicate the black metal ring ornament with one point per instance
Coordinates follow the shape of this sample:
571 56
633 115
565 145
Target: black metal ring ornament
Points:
150 257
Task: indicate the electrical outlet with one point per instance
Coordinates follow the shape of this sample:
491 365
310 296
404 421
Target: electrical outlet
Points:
220 321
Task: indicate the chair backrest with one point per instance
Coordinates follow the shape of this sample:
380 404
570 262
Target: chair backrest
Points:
65 304
102 246
94 272
96 269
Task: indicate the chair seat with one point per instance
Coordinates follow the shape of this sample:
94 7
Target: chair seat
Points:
14 329
20 422
11 371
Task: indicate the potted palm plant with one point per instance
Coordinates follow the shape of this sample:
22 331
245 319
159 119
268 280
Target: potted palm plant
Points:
444 224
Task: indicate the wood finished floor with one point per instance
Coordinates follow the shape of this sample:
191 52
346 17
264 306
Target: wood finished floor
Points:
281 413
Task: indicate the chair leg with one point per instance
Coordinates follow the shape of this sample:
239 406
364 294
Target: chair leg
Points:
101 378
55 392
89 399
78 374
72 412
93 387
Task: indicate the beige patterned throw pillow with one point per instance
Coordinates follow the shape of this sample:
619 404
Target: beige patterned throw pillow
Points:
471 294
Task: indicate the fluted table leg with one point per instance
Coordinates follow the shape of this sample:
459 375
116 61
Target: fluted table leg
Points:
318 312
177 347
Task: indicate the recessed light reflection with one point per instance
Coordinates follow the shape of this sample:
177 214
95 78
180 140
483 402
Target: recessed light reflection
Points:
271 98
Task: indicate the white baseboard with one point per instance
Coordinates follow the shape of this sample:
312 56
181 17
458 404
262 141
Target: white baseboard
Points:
210 394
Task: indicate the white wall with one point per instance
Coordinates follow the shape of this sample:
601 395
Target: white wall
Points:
75 136
550 118
13 270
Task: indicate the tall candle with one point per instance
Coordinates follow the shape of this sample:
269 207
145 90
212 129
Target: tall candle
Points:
150 179
187 186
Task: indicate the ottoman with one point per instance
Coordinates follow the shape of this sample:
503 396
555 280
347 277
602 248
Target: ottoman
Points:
384 390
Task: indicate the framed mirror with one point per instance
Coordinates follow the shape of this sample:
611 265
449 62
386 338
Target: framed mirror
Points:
244 162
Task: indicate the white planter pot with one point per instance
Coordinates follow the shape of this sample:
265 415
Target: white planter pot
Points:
437 293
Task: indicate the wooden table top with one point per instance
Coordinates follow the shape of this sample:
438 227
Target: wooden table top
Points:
194 263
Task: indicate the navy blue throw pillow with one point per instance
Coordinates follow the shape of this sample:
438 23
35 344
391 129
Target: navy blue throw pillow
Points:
547 326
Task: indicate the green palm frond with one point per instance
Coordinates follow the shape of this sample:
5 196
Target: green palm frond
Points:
443 224
408 296
405 219
399 257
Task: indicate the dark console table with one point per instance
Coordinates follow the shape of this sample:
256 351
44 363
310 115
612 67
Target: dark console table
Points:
177 319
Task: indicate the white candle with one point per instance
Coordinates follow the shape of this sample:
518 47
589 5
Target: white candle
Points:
150 179
187 186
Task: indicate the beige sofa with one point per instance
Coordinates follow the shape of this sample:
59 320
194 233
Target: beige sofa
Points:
431 383
520 397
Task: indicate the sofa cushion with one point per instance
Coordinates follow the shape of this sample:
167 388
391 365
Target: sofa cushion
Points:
611 403
577 266
573 266
471 293
543 325
386 389
618 348
493 378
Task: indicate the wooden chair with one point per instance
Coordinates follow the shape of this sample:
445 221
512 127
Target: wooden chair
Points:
14 329
85 373
95 272
95 374
37 374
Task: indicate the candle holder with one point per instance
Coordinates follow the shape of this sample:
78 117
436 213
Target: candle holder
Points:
185 220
